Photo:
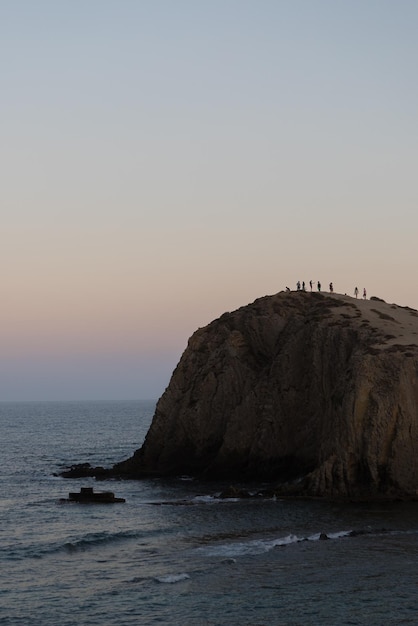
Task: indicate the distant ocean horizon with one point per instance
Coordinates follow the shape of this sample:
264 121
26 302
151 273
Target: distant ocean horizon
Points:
78 400
175 553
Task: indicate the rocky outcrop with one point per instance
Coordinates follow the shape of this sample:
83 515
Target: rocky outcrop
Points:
315 392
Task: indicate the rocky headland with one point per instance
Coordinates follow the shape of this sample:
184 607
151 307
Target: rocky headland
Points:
316 393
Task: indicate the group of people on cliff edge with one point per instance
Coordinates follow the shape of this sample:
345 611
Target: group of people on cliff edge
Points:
301 286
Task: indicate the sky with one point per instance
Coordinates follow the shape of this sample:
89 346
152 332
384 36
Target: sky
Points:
165 161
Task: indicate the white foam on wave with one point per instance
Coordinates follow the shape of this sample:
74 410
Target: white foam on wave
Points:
336 535
172 578
242 548
260 546
205 499
214 499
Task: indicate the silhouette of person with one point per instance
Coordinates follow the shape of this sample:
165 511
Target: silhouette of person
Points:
331 288
298 285
364 293
311 284
319 286
356 292
303 286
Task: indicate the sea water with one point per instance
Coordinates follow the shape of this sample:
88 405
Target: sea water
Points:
175 553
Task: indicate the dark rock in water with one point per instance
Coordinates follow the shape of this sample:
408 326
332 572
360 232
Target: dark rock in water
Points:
323 537
83 470
87 495
315 393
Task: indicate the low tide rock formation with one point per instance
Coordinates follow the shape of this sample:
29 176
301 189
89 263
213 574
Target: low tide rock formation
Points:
317 393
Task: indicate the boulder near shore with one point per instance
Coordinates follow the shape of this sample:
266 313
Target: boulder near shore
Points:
316 393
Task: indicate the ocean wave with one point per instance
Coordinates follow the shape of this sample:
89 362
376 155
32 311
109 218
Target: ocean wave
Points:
322 536
260 546
97 539
243 548
205 499
172 578
195 500
17 553
218 498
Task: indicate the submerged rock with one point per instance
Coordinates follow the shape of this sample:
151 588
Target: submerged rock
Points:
81 470
317 393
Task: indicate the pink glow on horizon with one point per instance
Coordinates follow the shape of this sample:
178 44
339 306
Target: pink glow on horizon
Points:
167 166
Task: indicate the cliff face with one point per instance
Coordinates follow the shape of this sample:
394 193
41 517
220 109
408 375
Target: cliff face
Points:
316 392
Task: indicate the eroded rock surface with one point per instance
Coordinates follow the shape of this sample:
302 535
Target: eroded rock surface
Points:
315 392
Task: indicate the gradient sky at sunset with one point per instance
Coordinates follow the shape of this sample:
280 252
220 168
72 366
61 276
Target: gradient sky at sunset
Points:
165 161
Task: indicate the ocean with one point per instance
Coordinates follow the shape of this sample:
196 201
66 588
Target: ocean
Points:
175 553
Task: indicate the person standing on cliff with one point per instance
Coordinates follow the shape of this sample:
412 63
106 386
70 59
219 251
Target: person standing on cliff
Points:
331 288
311 284
356 292
319 286
364 293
